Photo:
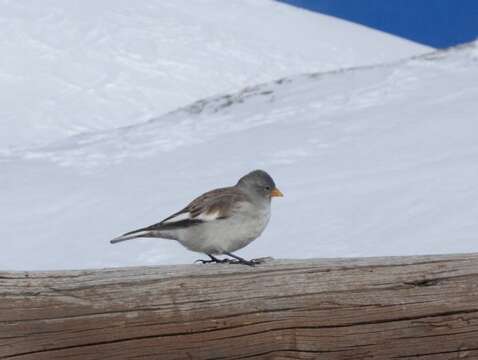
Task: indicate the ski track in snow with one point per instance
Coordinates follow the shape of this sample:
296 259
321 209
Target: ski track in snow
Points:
381 160
78 66
325 95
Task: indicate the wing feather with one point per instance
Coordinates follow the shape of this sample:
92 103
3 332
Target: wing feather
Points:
214 205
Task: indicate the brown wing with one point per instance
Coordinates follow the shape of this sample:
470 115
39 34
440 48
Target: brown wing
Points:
214 205
221 201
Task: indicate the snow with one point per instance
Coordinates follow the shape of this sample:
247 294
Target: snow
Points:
374 160
82 65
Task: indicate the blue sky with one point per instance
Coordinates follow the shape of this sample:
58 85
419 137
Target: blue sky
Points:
437 23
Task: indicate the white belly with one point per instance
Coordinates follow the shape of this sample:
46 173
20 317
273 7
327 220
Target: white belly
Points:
227 235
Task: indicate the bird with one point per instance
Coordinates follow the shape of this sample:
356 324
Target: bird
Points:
220 221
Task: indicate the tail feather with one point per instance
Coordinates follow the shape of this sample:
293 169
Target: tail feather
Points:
132 235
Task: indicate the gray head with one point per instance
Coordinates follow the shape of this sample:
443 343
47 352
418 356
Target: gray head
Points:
260 183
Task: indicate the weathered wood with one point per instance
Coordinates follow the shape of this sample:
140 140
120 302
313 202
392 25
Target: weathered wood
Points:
401 307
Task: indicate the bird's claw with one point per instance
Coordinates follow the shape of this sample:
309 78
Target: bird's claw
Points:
216 261
203 261
262 260
252 262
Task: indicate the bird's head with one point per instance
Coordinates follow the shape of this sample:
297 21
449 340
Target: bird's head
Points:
260 183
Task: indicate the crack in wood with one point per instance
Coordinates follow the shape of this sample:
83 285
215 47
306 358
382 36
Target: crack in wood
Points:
458 351
242 335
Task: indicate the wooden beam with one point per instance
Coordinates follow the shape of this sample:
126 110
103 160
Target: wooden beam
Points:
422 307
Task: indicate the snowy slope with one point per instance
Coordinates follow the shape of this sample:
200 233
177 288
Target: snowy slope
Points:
380 160
83 65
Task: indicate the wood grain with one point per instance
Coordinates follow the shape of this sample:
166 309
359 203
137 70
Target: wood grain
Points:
422 307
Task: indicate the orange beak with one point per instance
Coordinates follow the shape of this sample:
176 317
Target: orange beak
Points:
276 193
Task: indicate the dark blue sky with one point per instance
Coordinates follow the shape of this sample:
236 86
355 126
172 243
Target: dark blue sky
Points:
437 23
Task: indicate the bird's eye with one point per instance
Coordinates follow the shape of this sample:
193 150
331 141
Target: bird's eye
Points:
268 188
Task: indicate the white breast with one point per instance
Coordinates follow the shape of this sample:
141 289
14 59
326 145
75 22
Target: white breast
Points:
227 235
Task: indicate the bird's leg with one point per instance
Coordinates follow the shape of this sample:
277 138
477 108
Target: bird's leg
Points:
220 261
241 260
213 260
238 260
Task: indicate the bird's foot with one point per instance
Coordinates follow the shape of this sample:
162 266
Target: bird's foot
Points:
204 261
239 260
218 261
252 262
229 261
236 261
242 262
262 260
213 259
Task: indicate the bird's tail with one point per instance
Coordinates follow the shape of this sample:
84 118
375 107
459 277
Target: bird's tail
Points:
144 232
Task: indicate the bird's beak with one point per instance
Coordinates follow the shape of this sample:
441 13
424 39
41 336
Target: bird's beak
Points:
276 192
